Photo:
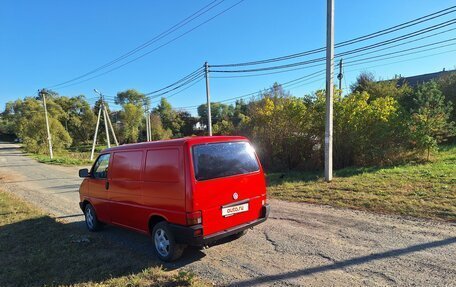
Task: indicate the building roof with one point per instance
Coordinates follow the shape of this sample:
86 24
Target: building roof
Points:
414 81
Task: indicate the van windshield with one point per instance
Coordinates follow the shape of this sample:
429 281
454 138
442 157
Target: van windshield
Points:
223 159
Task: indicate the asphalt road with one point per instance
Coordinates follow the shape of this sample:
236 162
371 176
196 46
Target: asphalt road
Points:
300 245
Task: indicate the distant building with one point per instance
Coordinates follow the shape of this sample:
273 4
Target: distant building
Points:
414 81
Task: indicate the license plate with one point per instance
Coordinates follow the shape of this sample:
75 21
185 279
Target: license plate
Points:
227 211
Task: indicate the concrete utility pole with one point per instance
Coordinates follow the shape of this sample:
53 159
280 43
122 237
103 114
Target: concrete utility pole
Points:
107 123
329 90
208 96
148 131
43 94
340 76
110 125
147 126
105 117
96 132
150 126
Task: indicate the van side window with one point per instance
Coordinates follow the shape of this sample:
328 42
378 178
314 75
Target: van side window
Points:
100 169
162 165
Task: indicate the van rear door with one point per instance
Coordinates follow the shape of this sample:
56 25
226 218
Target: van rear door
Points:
229 185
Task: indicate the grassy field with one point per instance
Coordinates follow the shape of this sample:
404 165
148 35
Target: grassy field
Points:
74 156
70 158
37 250
425 190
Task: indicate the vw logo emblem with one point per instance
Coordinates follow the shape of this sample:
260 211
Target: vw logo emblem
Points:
235 196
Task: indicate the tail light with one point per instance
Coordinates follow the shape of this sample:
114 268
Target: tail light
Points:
194 218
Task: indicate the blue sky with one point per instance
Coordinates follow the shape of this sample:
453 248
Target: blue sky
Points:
47 42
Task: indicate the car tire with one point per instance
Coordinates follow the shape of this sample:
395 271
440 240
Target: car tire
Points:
165 246
91 218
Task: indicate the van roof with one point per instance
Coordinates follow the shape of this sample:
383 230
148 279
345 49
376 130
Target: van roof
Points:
176 142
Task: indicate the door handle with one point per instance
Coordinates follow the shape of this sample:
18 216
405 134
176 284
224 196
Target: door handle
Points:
107 185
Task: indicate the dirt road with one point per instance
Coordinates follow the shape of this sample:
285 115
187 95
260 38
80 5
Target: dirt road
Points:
300 245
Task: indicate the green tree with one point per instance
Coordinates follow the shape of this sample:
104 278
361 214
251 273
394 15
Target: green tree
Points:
188 122
378 89
157 130
219 112
447 85
34 135
132 97
131 118
27 117
430 121
79 120
169 117
280 125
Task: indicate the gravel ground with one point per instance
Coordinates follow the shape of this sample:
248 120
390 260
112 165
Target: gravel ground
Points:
300 245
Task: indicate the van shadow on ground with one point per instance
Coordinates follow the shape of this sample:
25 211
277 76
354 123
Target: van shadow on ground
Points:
42 251
269 279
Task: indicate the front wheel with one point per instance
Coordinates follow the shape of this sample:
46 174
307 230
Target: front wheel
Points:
91 219
165 246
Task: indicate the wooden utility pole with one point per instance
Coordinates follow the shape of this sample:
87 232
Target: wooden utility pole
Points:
43 94
329 90
340 76
208 96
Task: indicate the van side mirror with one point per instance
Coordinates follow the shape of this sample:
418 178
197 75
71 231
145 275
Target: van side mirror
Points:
84 172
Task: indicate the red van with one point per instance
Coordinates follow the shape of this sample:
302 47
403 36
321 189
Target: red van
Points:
189 191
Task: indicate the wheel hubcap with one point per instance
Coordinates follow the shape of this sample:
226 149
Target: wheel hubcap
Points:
161 242
89 218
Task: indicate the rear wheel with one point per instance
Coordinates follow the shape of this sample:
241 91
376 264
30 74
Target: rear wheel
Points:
91 219
165 246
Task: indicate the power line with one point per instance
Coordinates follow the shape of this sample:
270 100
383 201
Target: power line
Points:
368 47
186 88
256 92
194 78
375 59
348 42
337 57
353 64
157 48
158 37
177 82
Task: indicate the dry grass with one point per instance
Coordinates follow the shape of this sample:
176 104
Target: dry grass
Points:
37 250
422 190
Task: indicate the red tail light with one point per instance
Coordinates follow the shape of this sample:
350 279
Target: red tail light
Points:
194 218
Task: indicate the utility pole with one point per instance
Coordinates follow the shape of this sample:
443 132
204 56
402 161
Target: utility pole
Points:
208 96
329 90
107 124
147 123
43 94
110 125
105 117
150 126
340 76
96 132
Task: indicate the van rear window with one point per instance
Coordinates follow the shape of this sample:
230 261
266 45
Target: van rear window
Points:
223 159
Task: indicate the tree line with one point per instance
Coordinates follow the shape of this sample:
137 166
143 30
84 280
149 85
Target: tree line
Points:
377 123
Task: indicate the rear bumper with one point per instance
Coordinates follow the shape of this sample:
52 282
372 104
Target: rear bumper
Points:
185 234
